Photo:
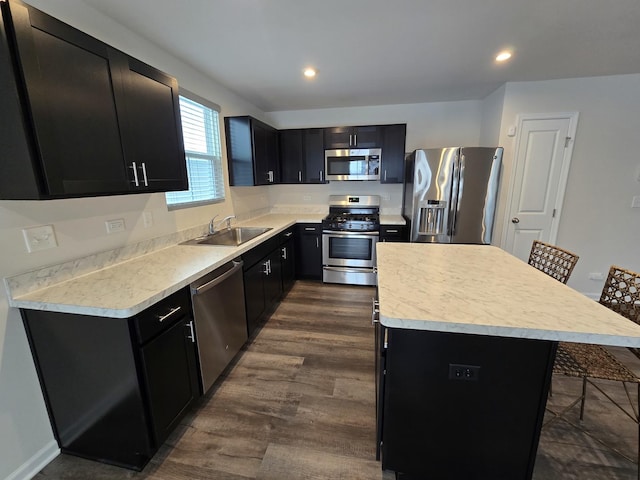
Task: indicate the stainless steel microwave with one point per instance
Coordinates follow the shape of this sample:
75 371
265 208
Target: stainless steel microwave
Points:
353 164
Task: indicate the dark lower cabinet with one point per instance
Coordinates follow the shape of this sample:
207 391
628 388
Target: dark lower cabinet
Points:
454 405
263 286
309 251
393 233
287 259
115 388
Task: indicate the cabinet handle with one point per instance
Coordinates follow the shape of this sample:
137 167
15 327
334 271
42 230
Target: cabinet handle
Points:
392 231
135 173
162 318
270 176
375 311
284 253
288 234
350 140
299 176
355 139
321 175
144 174
385 175
191 337
310 229
266 268
317 242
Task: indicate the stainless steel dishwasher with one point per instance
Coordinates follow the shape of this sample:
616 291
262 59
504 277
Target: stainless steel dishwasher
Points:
220 319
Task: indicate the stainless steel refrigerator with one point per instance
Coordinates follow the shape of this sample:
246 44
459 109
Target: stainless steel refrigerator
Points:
450 194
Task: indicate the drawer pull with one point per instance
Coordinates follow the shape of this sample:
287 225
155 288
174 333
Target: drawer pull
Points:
191 337
288 234
392 231
162 318
310 229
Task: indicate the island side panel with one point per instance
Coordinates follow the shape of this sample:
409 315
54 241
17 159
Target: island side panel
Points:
483 424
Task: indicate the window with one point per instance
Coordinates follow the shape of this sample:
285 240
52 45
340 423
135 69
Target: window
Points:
201 133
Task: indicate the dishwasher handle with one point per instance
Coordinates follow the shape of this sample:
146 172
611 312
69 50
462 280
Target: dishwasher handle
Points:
216 281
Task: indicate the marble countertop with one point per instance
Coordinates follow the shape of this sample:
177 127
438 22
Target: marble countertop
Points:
392 220
480 289
127 288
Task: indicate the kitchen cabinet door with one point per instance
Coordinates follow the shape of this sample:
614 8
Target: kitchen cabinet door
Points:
314 155
252 151
288 264
255 304
393 146
169 366
291 155
273 280
368 136
153 146
309 251
69 81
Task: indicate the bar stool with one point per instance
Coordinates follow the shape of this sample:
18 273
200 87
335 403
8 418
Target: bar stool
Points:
589 362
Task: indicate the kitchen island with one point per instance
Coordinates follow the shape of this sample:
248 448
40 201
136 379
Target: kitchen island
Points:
463 329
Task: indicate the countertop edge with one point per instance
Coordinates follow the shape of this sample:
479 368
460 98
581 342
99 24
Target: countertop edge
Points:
511 332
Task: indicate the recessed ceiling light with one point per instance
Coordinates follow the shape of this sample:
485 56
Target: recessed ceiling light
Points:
309 72
503 56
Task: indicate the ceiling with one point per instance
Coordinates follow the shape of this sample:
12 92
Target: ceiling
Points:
376 52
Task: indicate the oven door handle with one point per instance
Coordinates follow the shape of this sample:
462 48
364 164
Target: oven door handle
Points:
335 233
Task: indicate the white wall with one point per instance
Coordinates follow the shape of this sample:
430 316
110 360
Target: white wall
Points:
25 434
598 222
492 107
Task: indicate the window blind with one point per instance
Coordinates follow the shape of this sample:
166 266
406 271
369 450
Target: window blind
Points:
201 134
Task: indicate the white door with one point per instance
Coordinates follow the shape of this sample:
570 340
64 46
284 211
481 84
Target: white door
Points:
541 167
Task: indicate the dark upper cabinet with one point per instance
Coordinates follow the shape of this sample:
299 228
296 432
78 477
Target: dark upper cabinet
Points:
301 155
152 129
81 113
252 151
393 146
291 156
369 136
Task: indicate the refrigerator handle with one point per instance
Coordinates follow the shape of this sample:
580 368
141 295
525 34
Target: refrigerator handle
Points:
456 193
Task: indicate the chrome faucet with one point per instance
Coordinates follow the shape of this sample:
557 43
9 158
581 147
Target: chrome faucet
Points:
213 227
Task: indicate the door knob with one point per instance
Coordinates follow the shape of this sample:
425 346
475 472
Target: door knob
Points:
515 220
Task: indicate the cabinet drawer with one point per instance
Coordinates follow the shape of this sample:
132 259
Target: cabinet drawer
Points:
309 228
258 252
162 315
286 235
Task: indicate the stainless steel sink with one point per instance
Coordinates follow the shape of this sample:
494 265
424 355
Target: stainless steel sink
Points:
231 237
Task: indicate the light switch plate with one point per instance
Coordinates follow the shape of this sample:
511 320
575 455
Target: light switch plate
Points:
39 238
635 202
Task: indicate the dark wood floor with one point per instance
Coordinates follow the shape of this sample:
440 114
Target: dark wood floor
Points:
298 403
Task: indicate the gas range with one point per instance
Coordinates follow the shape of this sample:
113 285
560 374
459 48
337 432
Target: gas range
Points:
352 213
349 236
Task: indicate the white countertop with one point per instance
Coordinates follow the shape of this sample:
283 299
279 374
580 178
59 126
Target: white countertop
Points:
392 220
127 288
481 289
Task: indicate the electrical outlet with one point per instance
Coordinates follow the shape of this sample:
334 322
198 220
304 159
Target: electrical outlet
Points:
596 276
39 238
465 373
114 226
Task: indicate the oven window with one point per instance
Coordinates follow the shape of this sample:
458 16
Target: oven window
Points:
350 248
346 165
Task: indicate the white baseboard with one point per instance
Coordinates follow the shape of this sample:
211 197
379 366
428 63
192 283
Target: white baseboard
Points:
36 463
